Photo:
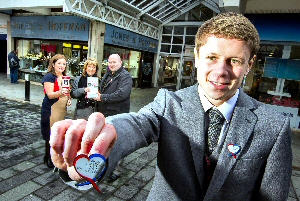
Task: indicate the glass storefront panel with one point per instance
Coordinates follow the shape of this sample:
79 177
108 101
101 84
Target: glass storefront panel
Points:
35 54
130 59
190 40
272 70
166 39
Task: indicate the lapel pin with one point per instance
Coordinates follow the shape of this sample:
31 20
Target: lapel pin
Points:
234 149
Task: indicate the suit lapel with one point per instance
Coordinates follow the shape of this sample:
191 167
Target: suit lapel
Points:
240 129
193 113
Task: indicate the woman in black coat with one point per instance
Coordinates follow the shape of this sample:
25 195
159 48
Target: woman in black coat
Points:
82 90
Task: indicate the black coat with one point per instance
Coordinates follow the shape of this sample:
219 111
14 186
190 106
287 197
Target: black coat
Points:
78 92
115 93
13 55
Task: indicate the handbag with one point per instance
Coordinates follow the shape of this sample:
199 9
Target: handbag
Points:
83 113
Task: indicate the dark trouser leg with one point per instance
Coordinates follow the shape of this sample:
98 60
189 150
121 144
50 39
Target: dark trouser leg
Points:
47 157
11 75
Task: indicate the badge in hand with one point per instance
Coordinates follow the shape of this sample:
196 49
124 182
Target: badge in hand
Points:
91 168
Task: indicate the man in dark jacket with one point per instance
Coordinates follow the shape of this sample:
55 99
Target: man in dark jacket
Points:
114 96
13 61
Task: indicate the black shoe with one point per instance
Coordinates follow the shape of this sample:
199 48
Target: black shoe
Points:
48 162
113 177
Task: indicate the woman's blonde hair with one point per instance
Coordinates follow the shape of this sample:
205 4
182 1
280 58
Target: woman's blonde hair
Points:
53 60
90 61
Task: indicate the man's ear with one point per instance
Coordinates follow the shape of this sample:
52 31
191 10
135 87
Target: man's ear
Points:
196 53
250 64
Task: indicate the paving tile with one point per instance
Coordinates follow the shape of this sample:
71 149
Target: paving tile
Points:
51 190
42 169
12 182
46 178
137 164
15 159
38 159
68 194
146 174
31 198
292 192
149 185
131 157
94 195
125 176
153 162
20 191
114 198
296 180
150 154
141 196
130 189
11 171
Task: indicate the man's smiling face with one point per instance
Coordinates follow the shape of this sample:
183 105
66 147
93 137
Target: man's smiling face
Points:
221 66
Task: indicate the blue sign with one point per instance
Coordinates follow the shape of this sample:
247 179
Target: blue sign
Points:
50 27
124 38
282 68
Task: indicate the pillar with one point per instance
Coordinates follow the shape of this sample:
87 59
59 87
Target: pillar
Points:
96 42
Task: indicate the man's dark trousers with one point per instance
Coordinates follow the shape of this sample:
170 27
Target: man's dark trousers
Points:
14 75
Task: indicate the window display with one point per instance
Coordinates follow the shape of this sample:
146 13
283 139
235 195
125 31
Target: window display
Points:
35 55
276 65
130 59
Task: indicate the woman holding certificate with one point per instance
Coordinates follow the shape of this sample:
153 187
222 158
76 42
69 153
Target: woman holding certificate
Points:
56 99
85 89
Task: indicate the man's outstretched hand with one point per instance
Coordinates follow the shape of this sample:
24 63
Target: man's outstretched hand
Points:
70 138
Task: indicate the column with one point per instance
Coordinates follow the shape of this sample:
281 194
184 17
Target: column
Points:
96 42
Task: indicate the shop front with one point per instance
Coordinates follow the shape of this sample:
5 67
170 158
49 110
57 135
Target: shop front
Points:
275 78
3 43
136 51
38 38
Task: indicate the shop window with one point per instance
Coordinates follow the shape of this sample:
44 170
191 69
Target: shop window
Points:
35 55
130 59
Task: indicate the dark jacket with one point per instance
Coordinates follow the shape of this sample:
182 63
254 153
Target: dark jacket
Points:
12 54
115 90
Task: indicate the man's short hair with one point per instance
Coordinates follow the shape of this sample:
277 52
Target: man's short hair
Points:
232 26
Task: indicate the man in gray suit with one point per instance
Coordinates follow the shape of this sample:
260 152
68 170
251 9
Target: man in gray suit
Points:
252 159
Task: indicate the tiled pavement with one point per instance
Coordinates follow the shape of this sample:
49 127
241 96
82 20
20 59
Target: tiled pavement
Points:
23 176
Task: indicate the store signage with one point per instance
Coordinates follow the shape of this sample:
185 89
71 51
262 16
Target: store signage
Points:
282 68
50 27
270 49
120 37
292 113
286 102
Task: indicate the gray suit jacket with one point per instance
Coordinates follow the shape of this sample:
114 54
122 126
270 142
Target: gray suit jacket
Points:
261 171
